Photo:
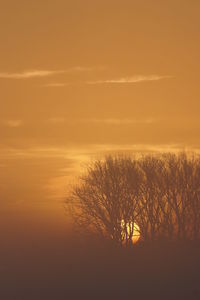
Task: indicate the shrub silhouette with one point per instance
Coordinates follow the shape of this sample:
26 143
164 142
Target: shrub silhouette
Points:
161 194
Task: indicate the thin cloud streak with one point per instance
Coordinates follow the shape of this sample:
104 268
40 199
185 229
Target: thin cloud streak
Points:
106 121
74 152
119 121
43 73
29 74
57 120
85 69
12 123
132 79
56 85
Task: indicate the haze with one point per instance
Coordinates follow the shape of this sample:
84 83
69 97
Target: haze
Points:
82 78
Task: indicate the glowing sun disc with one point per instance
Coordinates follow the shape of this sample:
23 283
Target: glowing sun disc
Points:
134 228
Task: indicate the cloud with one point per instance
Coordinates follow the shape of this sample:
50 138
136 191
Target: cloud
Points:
56 120
43 73
12 123
84 69
89 151
132 79
111 121
106 121
29 74
56 84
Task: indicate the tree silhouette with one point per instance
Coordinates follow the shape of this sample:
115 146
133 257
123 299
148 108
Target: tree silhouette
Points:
161 194
106 199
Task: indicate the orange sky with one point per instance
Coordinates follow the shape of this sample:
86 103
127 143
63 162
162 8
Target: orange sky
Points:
81 78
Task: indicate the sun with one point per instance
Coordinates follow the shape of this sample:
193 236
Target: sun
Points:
131 228
136 234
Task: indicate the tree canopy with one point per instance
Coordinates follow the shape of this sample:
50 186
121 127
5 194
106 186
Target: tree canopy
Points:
159 193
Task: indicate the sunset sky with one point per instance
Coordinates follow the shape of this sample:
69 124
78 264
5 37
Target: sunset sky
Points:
80 78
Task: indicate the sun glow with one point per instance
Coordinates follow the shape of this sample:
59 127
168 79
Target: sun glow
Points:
130 229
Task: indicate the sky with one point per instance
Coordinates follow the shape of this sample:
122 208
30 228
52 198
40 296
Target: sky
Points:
80 79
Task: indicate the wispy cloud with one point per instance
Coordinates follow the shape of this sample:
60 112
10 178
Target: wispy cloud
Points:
113 121
106 121
29 74
93 150
43 73
132 79
12 123
56 84
85 69
56 120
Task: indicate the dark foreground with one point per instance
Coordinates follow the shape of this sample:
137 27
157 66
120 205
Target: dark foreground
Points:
58 268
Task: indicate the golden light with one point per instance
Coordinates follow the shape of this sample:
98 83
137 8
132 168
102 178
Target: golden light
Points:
130 229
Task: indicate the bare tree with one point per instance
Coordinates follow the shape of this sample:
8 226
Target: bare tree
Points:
150 218
161 194
106 199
